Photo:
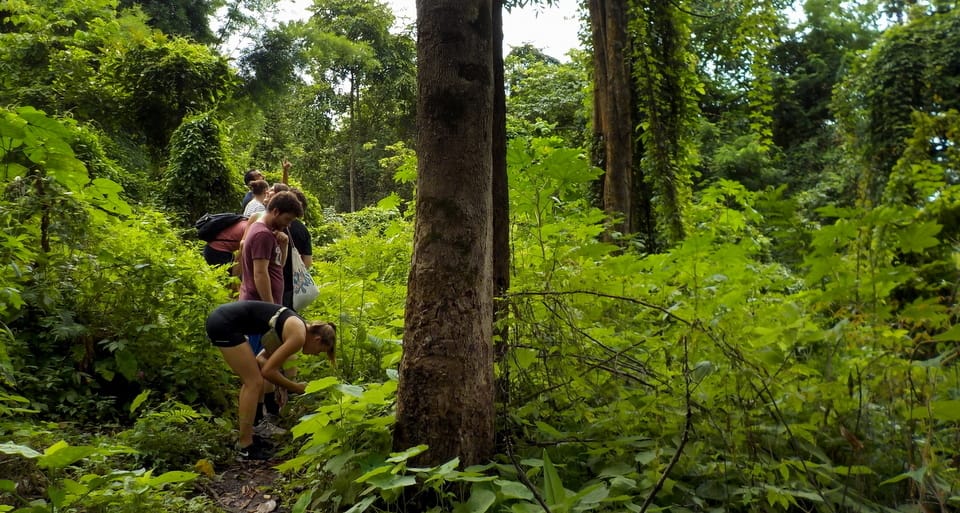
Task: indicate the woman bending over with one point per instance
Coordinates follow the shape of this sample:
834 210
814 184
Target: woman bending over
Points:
284 334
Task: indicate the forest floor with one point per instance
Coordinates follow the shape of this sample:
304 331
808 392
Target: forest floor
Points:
247 487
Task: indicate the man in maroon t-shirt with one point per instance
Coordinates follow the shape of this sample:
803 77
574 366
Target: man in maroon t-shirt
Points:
264 250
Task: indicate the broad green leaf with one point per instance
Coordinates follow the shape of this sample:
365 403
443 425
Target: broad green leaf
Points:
948 410
396 457
11 126
362 505
390 202
7 486
42 121
335 464
321 384
13 170
916 237
514 490
853 470
479 502
916 475
64 455
126 364
590 495
524 357
303 502
526 507
57 496
351 390
549 430
373 473
443 471
392 481
553 486
74 488
67 170
20 450
951 335
174 476
105 194
137 401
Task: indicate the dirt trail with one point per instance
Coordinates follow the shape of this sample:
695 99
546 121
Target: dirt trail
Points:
246 487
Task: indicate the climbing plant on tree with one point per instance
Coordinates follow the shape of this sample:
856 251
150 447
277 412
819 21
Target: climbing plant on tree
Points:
912 68
198 177
666 88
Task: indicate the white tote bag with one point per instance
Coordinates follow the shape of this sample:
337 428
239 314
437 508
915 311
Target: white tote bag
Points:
304 288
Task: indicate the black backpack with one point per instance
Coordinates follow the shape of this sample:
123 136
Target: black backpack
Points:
210 225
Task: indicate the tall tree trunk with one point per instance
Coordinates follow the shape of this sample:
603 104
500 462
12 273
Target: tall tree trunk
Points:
613 106
445 395
501 216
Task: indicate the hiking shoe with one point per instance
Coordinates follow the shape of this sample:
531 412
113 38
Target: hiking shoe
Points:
255 451
267 429
266 442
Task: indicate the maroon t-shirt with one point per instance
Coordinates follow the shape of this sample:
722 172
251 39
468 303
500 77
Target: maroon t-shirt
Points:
261 244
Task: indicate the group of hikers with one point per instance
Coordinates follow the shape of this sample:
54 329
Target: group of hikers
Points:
260 331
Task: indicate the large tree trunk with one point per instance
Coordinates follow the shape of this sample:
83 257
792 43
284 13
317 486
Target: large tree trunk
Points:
613 106
501 222
445 395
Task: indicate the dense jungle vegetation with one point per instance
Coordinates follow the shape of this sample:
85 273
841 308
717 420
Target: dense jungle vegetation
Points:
778 332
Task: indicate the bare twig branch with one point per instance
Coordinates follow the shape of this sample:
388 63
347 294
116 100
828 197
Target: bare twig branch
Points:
524 479
684 436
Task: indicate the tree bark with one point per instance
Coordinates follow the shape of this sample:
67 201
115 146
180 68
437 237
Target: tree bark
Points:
501 227
445 394
613 106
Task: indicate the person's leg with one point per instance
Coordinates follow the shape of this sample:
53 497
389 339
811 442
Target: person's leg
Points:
241 360
255 341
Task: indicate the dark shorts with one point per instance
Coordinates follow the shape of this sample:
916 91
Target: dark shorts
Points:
217 257
221 332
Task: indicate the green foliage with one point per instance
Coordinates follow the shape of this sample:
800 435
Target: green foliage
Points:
132 317
666 90
710 375
362 99
85 323
162 82
540 88
362 278
775 359
344 436
107 67
911 68
173 435
188 18
72 487
198 178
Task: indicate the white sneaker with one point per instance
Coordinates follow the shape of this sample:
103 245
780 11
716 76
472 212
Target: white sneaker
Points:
267 429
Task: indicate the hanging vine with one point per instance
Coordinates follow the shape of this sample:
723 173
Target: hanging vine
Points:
666 86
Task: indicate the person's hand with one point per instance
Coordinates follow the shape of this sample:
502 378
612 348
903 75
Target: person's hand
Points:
282 238
301 388
286 165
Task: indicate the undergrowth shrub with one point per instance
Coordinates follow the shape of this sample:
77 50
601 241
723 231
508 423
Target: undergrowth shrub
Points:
175 436
362 277
108 301
708 377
